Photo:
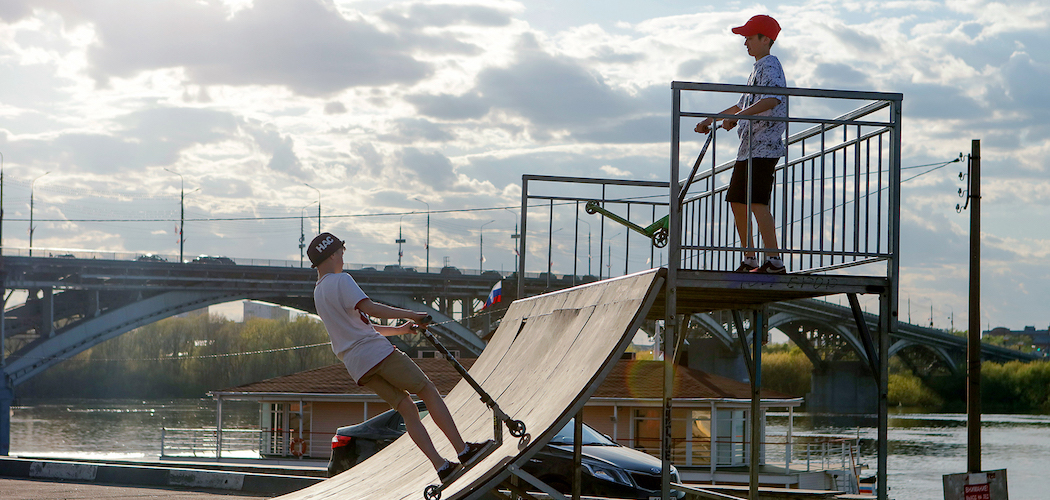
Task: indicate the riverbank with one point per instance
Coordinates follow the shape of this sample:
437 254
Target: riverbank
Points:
923 446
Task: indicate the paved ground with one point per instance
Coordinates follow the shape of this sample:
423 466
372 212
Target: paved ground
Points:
35 489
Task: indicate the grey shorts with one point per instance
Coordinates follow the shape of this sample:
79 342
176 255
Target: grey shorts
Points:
394 378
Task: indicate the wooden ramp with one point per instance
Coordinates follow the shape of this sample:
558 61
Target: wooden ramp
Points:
548 356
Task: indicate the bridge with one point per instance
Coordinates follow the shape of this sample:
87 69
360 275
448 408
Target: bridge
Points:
76 303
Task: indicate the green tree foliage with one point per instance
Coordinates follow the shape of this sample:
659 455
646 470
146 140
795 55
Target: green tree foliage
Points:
905 389
1015 386
186 358
787 370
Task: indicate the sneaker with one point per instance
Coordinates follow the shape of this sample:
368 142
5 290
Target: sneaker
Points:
446 470
471 450
747 265
771 266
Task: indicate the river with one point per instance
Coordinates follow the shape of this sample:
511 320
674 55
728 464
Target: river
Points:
922 447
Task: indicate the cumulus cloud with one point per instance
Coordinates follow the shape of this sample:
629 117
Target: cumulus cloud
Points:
307 46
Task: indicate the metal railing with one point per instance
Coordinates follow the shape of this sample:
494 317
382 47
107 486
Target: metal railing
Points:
242 443
835 196
800 454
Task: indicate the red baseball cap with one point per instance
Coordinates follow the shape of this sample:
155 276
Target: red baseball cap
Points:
759 25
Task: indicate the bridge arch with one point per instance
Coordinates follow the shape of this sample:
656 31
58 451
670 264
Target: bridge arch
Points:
939 352
86 333
790 323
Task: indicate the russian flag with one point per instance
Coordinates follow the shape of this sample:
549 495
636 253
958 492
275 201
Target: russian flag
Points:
496 295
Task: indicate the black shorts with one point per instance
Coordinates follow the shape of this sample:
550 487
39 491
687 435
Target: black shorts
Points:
762 170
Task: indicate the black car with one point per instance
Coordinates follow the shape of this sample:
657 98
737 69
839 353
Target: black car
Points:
610 470
354 443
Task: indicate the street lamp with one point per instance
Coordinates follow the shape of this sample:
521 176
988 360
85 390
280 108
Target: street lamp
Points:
481 246
515 236
318 206
302 232
400 240
31 228
182 211
428 231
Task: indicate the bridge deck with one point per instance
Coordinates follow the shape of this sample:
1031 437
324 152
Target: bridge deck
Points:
706 291
545 360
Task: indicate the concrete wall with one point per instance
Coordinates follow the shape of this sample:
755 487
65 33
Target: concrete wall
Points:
846 387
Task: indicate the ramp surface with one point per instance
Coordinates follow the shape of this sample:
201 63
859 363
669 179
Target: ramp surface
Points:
548 356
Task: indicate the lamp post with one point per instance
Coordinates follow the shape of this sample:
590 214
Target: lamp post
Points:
400 240
31 228
302 232
182 211
481 246
318 206
427 244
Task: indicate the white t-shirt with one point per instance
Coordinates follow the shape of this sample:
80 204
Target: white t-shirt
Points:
354 339
766 137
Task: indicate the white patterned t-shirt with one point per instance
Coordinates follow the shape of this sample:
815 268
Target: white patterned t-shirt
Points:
765 137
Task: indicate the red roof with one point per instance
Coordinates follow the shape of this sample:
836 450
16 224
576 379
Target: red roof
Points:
628 379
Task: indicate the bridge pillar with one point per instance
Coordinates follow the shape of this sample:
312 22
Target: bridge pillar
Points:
47 313
7 396
845 387
712 356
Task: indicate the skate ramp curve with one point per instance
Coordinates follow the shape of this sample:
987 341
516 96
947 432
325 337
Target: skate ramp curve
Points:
547 357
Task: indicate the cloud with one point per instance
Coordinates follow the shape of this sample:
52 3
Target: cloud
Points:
411 130
420 15
305 45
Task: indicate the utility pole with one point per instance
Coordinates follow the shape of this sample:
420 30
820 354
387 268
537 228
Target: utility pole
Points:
182 211
318 206
515 236
399 241
973 343
481 247
31 228
427 245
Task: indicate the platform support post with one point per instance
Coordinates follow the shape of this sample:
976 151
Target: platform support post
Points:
674 259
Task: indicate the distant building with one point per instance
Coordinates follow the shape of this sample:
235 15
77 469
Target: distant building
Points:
1038 339
264 311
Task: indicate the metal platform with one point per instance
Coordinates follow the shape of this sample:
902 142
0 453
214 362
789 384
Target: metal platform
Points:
706 291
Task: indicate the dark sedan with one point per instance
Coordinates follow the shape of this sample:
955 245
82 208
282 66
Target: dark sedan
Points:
609 469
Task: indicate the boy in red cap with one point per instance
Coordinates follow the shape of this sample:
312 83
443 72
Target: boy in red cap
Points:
761 145
371 359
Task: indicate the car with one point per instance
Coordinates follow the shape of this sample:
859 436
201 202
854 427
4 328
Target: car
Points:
354 443
149 257
207 259
609 469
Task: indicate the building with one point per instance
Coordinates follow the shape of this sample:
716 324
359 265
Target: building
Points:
1037 339
709 419
264 311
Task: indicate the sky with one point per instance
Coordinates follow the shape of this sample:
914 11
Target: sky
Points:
382 111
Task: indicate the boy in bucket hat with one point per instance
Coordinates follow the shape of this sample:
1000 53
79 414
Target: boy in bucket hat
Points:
761 145
371 359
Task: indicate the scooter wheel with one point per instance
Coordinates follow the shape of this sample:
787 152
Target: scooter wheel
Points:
660 238
591 207
432 492
516 428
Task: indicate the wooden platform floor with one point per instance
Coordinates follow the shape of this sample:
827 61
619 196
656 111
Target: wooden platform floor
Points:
706 291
